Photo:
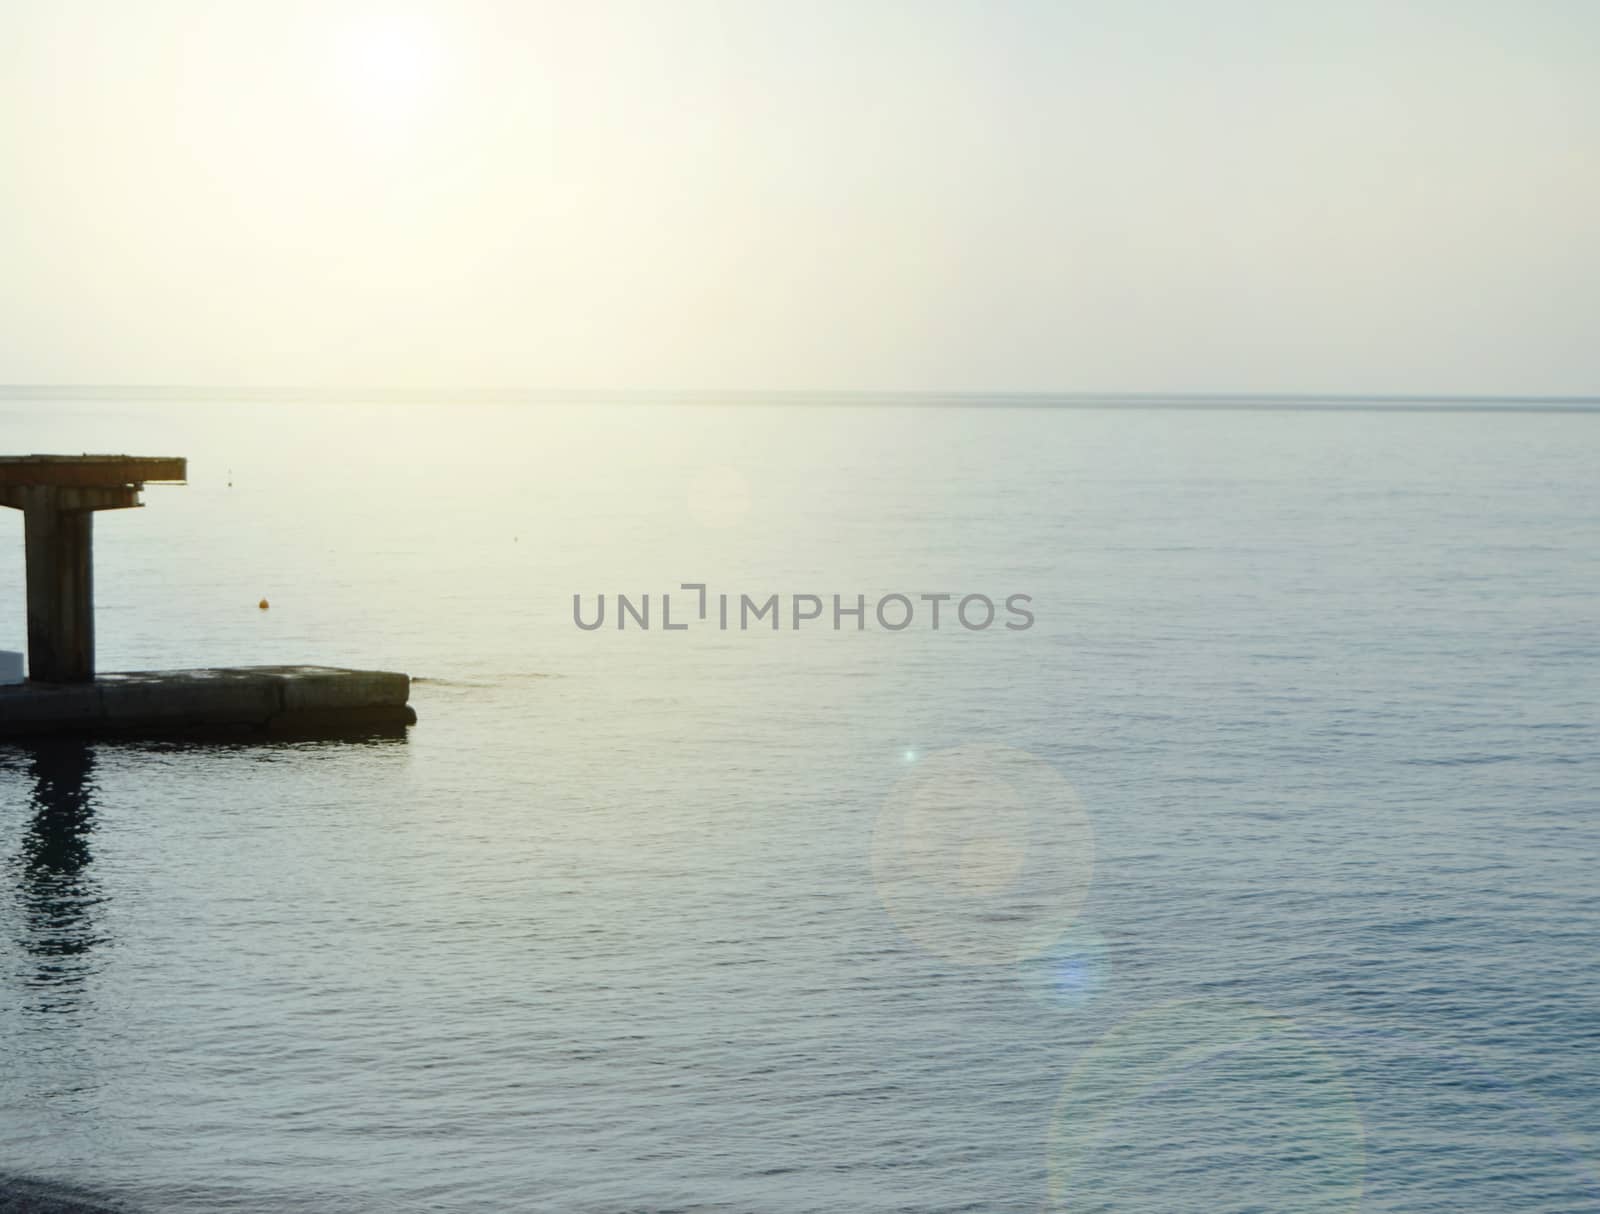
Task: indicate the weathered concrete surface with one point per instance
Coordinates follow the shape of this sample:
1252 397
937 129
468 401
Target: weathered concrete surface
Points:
283 699
79 471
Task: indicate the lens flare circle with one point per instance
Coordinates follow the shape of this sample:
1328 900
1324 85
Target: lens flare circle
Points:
1072 972
983 854
1251 1090
1488 1133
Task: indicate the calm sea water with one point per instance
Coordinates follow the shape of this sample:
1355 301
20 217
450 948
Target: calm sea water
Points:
1260 874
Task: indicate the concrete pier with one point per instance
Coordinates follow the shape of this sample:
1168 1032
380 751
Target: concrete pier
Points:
58 495
230 700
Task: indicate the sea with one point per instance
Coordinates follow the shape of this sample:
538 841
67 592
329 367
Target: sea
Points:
1245 859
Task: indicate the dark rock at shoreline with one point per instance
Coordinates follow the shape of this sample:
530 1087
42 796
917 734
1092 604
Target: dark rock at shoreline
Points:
19 1196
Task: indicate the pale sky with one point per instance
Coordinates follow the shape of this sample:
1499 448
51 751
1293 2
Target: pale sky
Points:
1329 196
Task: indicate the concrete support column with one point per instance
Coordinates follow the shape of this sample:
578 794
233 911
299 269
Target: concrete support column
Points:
60 590
58 495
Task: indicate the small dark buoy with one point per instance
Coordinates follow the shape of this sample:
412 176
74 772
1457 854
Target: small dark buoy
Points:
262 604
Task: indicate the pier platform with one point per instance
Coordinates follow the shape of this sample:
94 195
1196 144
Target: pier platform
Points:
303 700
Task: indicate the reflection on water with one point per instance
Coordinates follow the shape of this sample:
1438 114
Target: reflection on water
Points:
61 902
57 890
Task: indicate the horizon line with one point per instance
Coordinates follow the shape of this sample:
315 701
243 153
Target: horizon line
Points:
370 394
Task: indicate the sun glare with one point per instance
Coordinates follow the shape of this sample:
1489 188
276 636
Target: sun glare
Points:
388 67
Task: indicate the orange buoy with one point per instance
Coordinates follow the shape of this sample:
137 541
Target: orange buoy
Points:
262 604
